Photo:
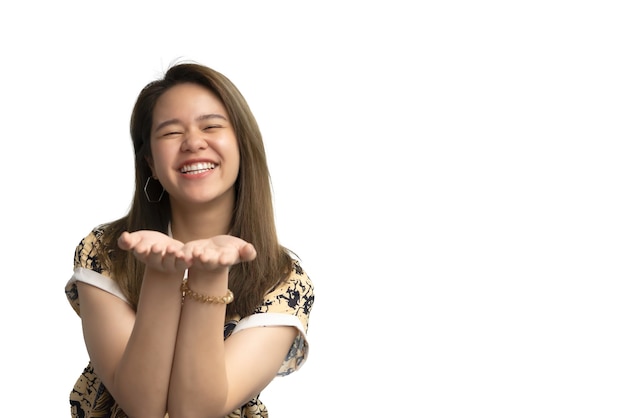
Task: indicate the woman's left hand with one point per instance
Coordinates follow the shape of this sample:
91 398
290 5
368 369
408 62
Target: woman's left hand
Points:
221 251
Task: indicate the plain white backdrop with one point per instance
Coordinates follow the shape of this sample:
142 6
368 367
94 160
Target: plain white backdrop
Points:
451 174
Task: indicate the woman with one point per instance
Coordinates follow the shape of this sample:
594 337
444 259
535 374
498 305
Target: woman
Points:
189 304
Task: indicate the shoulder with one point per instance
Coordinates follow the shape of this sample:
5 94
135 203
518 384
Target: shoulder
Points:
86 252
299 280
89 268
298 283
295 295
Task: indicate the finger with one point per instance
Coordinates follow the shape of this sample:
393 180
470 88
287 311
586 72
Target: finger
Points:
173 258
138 243
152 254
228 257
187 252
175 248
125 241
247 252
181 263
207 256
168 261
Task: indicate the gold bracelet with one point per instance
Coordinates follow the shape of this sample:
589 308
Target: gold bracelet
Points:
186 291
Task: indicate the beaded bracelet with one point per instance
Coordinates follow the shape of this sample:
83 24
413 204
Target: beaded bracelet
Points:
186 291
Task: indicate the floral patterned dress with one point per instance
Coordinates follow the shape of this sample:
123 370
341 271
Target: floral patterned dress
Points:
290 305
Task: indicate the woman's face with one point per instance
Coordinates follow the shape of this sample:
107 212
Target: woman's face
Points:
195 154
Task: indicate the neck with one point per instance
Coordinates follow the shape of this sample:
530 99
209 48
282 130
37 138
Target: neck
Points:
190 223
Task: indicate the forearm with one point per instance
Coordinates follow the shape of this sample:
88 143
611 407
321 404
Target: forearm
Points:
142 377
199 384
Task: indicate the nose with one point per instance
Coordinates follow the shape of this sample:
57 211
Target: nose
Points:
194 141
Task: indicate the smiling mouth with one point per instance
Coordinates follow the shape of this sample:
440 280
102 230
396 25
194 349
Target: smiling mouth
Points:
197 168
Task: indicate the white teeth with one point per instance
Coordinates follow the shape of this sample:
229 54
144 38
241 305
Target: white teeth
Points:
197 167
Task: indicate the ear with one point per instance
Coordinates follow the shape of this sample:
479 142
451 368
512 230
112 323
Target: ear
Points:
150 162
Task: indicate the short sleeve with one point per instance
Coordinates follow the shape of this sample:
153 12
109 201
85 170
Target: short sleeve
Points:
88 269
290 304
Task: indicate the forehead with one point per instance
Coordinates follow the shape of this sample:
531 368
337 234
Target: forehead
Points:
186 98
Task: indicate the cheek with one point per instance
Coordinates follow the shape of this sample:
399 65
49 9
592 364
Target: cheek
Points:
236 158
230 150
160 160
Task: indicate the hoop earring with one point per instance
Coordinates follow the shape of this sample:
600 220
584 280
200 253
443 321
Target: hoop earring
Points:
145 190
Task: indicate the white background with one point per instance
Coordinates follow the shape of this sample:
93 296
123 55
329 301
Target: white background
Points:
451 174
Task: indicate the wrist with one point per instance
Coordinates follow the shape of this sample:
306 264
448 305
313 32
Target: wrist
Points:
188 293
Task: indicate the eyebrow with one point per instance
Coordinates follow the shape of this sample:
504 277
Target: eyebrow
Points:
198 119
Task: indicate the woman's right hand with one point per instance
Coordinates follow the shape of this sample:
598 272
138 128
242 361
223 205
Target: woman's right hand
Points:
155 249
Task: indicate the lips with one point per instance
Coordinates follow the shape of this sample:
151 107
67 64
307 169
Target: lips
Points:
197 168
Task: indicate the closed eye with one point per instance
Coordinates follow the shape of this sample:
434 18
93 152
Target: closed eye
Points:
207 128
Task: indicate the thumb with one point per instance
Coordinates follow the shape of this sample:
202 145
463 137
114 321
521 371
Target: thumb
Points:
247 252
125 241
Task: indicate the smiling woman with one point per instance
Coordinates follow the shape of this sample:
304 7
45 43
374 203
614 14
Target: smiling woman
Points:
190 305
194 149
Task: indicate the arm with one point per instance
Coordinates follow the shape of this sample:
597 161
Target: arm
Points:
164 359
132 353
212 377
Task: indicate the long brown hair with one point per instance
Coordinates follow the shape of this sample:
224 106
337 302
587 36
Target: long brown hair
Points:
253 216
